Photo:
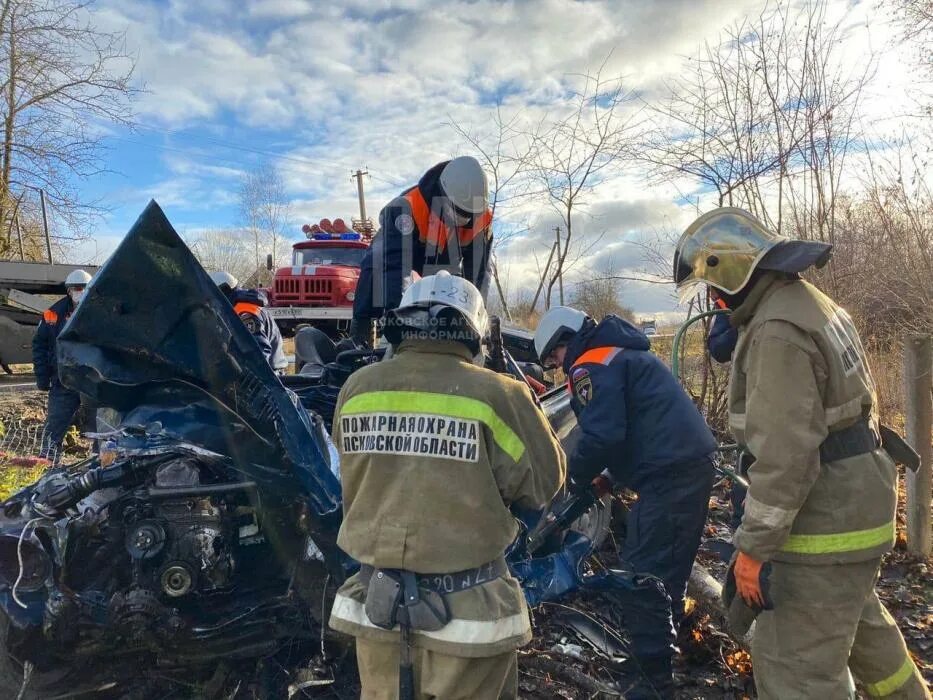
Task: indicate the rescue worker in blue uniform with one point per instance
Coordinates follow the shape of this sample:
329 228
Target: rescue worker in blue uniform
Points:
63 403
721 344
722 339
441 223
249 305
637 422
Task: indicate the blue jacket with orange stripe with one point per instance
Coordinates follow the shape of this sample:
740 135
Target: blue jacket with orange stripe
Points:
418 232
249 305
53 320
634 417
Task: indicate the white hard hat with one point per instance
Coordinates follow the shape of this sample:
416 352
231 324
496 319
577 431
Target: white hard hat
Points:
554 325
425 299
464 183
77 278
221 278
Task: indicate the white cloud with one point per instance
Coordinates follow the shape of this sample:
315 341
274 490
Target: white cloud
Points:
374 82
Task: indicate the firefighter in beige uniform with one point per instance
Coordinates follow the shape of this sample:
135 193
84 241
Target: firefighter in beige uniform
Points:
821 504
434 450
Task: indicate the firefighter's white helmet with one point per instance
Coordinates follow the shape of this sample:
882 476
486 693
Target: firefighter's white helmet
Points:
221 278
465 185
426 301
556 324
78 278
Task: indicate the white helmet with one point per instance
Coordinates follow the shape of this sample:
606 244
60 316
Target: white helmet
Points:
221 278
78 278
464 183
425 301
553 326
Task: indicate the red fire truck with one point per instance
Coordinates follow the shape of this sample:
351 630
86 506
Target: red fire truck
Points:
318 287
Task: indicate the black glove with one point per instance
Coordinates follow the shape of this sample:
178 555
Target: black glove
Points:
361 331
43 383
578 487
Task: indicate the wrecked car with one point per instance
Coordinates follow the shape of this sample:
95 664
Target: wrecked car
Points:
199 548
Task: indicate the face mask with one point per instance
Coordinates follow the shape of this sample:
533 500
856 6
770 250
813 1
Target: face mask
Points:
76 295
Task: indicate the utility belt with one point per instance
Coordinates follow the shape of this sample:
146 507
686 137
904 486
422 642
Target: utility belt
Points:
861 438
418 601
858 439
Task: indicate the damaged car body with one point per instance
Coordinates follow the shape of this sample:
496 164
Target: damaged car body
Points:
205 532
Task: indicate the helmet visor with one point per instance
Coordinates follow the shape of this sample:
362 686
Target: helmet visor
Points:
721 249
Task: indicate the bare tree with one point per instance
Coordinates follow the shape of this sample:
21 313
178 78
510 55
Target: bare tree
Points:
766 117
59 77
916 20
266 214
576 150
224 249
600 296
504 149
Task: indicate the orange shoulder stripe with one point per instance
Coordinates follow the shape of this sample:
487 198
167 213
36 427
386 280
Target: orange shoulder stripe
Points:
50 316
598 356
244 307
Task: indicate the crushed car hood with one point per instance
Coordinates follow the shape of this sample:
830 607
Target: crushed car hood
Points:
154 338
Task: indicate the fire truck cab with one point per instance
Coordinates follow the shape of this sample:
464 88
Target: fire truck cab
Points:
319 286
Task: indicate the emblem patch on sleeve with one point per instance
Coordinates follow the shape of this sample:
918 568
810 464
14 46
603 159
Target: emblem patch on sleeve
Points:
582 385
250 321
404 224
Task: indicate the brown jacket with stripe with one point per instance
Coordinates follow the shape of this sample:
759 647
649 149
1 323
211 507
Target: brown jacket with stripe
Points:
798 374
433 451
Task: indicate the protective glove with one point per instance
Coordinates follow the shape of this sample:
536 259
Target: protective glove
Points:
578 487
741 607
748 580
43 383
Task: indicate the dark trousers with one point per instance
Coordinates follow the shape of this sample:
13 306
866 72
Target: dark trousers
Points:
663 535
63 405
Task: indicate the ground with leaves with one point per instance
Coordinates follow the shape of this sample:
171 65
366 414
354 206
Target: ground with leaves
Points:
558 665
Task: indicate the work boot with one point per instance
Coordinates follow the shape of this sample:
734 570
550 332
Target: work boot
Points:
647 678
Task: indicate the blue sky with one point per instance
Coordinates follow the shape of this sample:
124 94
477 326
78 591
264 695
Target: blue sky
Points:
320 89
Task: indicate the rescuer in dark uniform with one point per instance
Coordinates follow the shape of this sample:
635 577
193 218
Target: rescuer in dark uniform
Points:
442 223
249 305
637 422
63 402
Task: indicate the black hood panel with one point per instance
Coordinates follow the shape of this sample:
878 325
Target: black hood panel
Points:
153 329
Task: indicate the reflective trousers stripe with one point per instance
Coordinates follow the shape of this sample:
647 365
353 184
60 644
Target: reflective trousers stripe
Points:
892 682
456 631
443 404
840 542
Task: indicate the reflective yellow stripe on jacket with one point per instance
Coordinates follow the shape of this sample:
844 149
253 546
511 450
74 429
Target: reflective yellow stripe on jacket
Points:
426 402
893 682
841 541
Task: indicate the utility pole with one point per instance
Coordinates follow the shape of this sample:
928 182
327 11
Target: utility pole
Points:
358 176
547 267
45 225
560 266
19 235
